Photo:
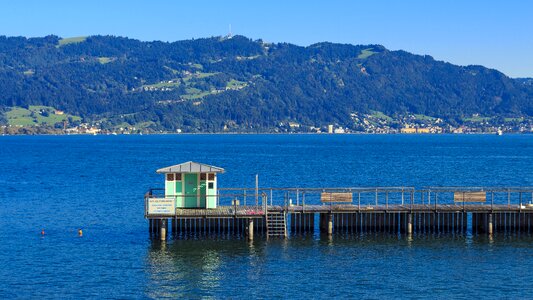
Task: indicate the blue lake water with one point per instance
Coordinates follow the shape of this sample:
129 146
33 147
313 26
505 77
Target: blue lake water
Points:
62 183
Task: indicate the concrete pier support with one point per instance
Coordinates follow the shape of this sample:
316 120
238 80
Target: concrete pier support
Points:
174 226
409 223
163 229
250 229
330 224
489 227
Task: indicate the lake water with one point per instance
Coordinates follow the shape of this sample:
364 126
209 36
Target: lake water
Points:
63 183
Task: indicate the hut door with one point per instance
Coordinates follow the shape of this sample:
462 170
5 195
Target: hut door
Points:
191 190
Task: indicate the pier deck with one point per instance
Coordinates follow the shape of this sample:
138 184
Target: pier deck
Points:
258 211
394 210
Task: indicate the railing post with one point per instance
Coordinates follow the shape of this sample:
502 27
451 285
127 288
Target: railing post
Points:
256 188
387 199
376 197
491 201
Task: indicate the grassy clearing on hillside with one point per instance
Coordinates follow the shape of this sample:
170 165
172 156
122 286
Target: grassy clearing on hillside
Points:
203 75
199 75
72 40
380 115
163 84
513 119
198 66
194 93
424 117
477 119
177 81
366 53
36 115
174 71
236 84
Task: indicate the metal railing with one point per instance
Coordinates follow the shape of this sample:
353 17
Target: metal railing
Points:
362 197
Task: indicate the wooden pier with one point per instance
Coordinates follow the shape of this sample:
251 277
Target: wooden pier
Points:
280 212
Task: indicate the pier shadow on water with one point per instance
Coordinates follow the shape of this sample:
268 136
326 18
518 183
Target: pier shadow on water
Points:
340 265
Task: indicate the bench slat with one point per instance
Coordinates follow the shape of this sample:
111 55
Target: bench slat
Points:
469 196
335 197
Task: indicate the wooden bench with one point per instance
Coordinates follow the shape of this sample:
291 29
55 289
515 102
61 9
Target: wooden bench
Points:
335 197
469 196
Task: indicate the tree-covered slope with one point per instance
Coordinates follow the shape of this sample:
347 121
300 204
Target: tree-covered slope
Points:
208 84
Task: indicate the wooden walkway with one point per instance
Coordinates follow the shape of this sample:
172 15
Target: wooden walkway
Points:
259 211
360 210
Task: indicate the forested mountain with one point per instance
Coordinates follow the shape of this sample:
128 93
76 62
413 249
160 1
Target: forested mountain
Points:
234 83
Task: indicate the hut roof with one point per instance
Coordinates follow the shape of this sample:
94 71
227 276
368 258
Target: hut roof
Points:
191 167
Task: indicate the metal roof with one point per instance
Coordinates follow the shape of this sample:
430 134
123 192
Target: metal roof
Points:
191 167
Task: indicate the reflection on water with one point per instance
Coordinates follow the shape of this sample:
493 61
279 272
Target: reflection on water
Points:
234 267
187 268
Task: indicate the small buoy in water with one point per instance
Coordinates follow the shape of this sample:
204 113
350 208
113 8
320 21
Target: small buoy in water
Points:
42 231
80 232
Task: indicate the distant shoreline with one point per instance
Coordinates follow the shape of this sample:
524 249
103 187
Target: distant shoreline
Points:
273 133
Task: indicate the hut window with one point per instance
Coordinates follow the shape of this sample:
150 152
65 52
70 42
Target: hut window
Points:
202 176
211 177
178 177
170 177
210 185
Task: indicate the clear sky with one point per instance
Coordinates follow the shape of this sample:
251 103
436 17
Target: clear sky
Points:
496 34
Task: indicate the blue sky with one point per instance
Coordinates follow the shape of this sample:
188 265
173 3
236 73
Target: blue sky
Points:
496 34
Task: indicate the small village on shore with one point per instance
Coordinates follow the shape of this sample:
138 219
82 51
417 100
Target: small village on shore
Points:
39 120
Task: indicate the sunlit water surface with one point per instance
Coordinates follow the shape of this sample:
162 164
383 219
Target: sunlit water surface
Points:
63 183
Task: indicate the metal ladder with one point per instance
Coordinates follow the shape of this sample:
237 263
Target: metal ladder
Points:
276 224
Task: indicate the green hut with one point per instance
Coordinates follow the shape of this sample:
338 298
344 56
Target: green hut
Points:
191 184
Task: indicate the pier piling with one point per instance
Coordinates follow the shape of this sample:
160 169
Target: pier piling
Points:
163 229
489 229
250 229
409 224
330 224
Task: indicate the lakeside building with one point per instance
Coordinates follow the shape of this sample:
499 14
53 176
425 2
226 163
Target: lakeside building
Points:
191 185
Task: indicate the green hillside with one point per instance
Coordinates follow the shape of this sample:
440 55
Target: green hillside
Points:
238 84
37 115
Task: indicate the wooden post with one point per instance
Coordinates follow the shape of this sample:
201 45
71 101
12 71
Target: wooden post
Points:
489 229
330 224
250 229
150 226
173 226
409 224
163 229
155 226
